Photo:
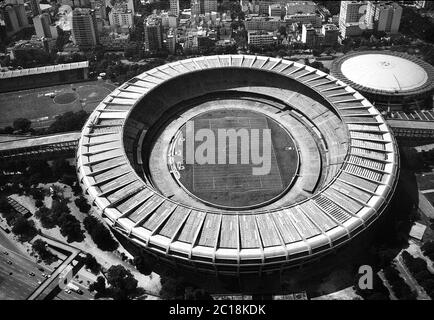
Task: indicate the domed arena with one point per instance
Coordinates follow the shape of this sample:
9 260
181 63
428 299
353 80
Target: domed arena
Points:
320 167
390 80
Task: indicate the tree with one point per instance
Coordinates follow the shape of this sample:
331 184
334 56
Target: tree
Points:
24 228
40 247
41 169
70 228
99 286
282 30
4 204
22 124
45 215
99 234
171 288
82 204
39 203
37 193
61 167
123 285
69 121
91 263
142 265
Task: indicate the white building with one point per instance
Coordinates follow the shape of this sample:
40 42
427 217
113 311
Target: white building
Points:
169 20
174 7
261 38
119 18
171 42
261 23
296 7
43 27
351 21
304 18
383 16
276 10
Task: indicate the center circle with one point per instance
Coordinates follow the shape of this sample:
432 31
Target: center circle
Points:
234 159
66 98
386 65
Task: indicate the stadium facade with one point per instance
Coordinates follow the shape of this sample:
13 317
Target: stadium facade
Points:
44 76
345 168
390 80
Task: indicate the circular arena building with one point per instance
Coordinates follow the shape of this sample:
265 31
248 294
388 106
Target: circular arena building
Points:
320 166
390 80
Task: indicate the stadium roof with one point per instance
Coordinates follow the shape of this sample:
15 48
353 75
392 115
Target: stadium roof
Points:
46 69
384 72
21 142
356 193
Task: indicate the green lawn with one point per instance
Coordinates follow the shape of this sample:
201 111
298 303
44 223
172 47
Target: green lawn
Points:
235 185
38 104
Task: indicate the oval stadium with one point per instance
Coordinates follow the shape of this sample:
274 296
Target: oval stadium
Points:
331 172
390 80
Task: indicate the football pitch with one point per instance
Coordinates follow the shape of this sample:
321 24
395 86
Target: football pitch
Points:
235 185
42 105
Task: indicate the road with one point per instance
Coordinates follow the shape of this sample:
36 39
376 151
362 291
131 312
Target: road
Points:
54 276
410 280
7 243
425 206
15 281
387 285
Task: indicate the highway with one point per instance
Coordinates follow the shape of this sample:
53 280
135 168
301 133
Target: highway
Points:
15 281
400 265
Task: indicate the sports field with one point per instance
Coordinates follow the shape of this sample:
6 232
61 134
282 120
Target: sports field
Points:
235 185
42 105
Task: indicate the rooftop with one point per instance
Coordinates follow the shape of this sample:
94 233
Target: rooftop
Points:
354 193
46 69
384 72
21 142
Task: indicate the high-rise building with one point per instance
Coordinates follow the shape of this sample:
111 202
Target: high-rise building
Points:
10 19
171 42
209 6
14 15
168 20
425 4
351 22
275 10
153 35
84 28
81 3
197 7
174 7
330 33
100 9
124 5
35 8
383 16
308 35
120 18
42 24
